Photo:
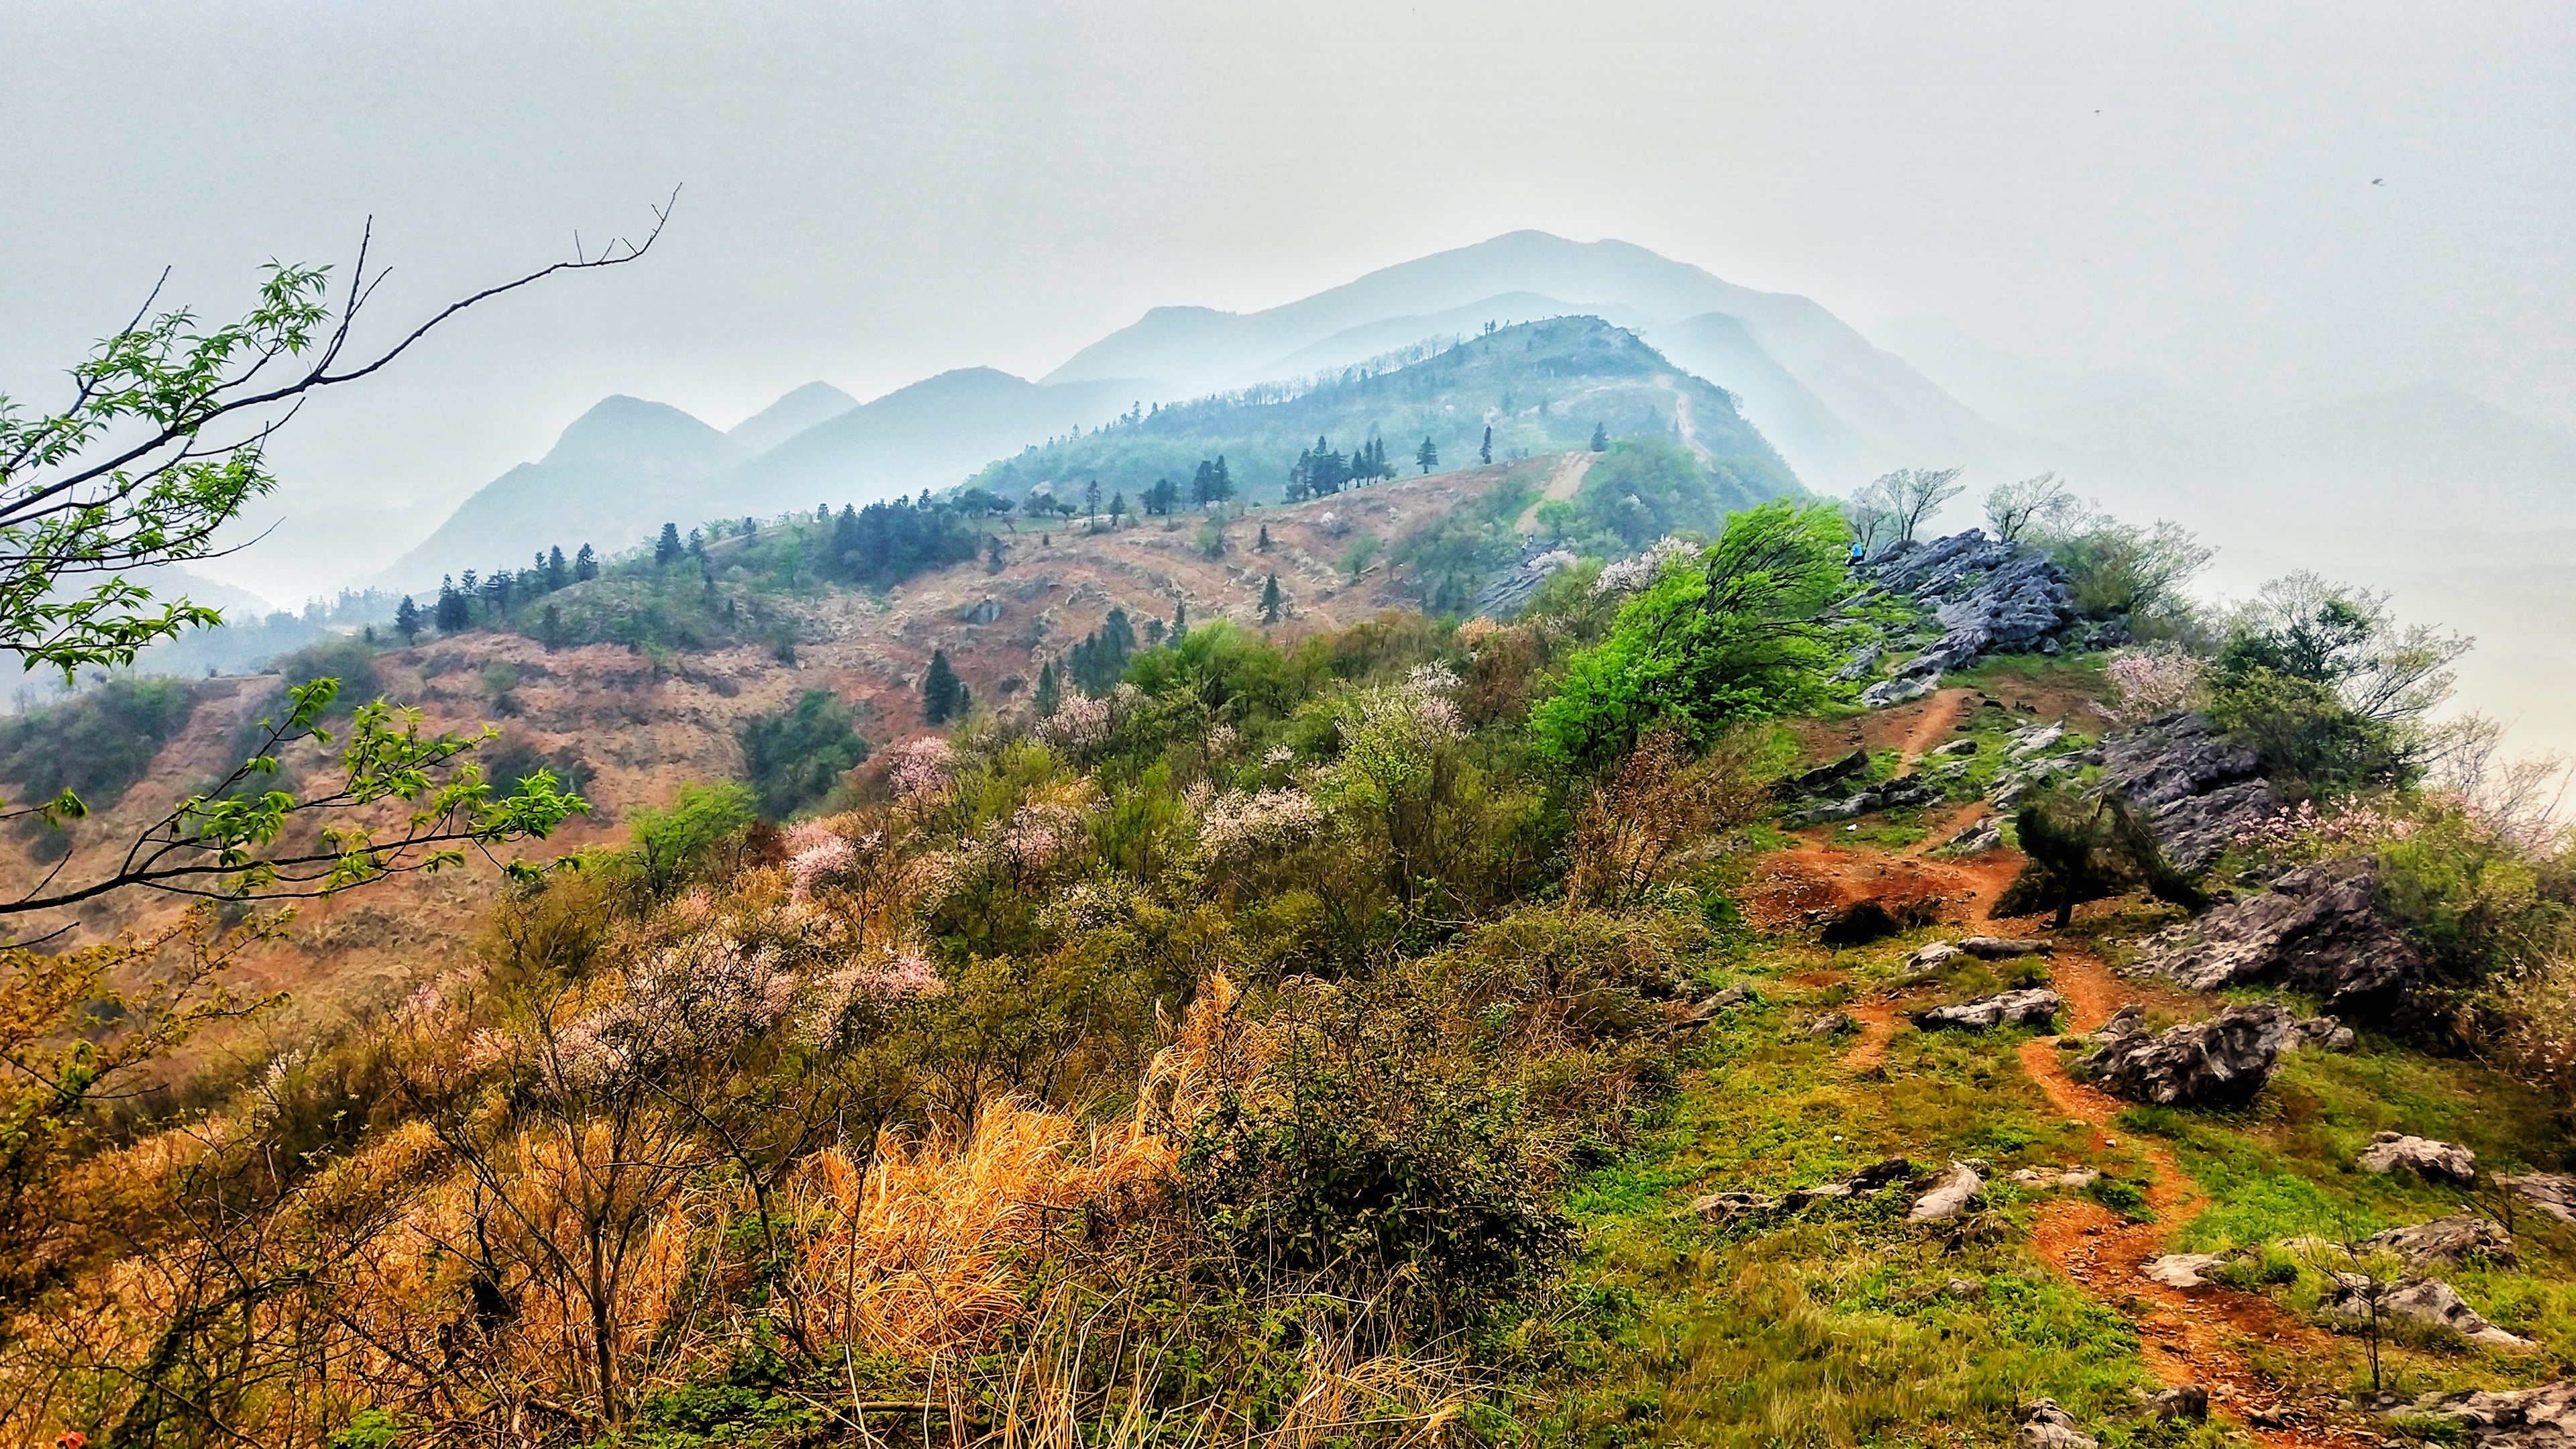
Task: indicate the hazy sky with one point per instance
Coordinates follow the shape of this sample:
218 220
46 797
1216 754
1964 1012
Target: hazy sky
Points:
878 192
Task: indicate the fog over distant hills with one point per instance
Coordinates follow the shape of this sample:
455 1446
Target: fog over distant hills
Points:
2465 509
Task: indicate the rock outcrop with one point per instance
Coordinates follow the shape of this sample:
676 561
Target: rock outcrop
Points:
2033 1007
2428 1301
2426 1158
2046 1426
2197 788
2447 1242
2318 930
2535 1418
2552 1192
1988 597
1948 1195
2222 1061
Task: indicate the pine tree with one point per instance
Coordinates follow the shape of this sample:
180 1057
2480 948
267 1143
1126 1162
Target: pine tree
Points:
667 547
1221 482
1263 544
1117 508
1180 618
1270 600
697 543
585 565
1050 691
1426 455
1091 501
941 693
452 613
558 573
407 619
1486 454
1600 438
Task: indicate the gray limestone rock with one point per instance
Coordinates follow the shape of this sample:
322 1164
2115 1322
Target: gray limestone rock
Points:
2447 1242
1948 1195
2552 1192
2432 1160
2543 1417
2033 1007
2318 930
2428 1301
2197 787
2183 1270
2224 1060
2046 1426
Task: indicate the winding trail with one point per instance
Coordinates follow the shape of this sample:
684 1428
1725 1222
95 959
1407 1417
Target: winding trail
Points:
1562 484
2188 1336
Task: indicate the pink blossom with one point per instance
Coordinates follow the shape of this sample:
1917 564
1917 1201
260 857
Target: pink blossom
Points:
1238 823
817 863
897 977
921 767
1080 723
2153 681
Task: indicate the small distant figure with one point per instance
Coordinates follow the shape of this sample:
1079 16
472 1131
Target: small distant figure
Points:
1859 551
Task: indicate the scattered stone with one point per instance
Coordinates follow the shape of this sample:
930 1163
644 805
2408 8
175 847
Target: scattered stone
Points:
2033 740
983 611
1904 790
2188 1401
1901 690
2447 1242
1832 1023
2552 1192
1947 1196
2325 1034
1862 665
1826 777
2183 1270
1707 1011
1726 1207
1978 838
2046 1426
1964 1288
2043 1179
2427 1158
2224 1060
2535 1418
2318 930
2032 1007
1931 958
1956 747
2004 948
2198 788
2428 1301
1869 1179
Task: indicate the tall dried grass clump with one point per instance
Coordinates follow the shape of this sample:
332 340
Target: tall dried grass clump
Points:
1653 806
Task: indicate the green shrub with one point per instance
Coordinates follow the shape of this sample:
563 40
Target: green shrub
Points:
1740 636
1372 1173
97 744
796 756
669 845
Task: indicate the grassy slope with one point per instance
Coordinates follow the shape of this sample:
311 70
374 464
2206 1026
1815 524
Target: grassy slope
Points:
1831 1327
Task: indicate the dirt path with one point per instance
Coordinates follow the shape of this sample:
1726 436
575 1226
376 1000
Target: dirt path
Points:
1682 418
2190 1334
1561 485
1940 714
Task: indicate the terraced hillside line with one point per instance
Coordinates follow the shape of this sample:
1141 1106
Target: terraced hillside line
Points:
1562 484
2188 1333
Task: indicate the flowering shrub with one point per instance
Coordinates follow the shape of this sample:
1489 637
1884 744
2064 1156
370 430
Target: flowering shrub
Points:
1237 824
892 977
2153 681
816 856
1079 725
918 769
1629 575
2300 834
691 1002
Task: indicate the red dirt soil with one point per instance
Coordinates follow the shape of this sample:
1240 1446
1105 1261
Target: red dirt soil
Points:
2190 1336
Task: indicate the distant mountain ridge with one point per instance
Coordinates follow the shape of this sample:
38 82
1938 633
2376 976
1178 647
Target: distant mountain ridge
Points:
1833 408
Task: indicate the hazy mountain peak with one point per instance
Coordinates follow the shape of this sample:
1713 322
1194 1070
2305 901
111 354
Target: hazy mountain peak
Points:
619 429
815 402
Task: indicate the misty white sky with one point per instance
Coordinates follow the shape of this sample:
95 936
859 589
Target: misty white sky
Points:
875 193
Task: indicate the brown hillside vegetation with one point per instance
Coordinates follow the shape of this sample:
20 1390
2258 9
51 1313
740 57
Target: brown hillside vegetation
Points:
646 724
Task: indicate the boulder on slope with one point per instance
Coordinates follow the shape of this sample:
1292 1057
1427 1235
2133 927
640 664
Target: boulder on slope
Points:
2318 930
2223 1061
2196 787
